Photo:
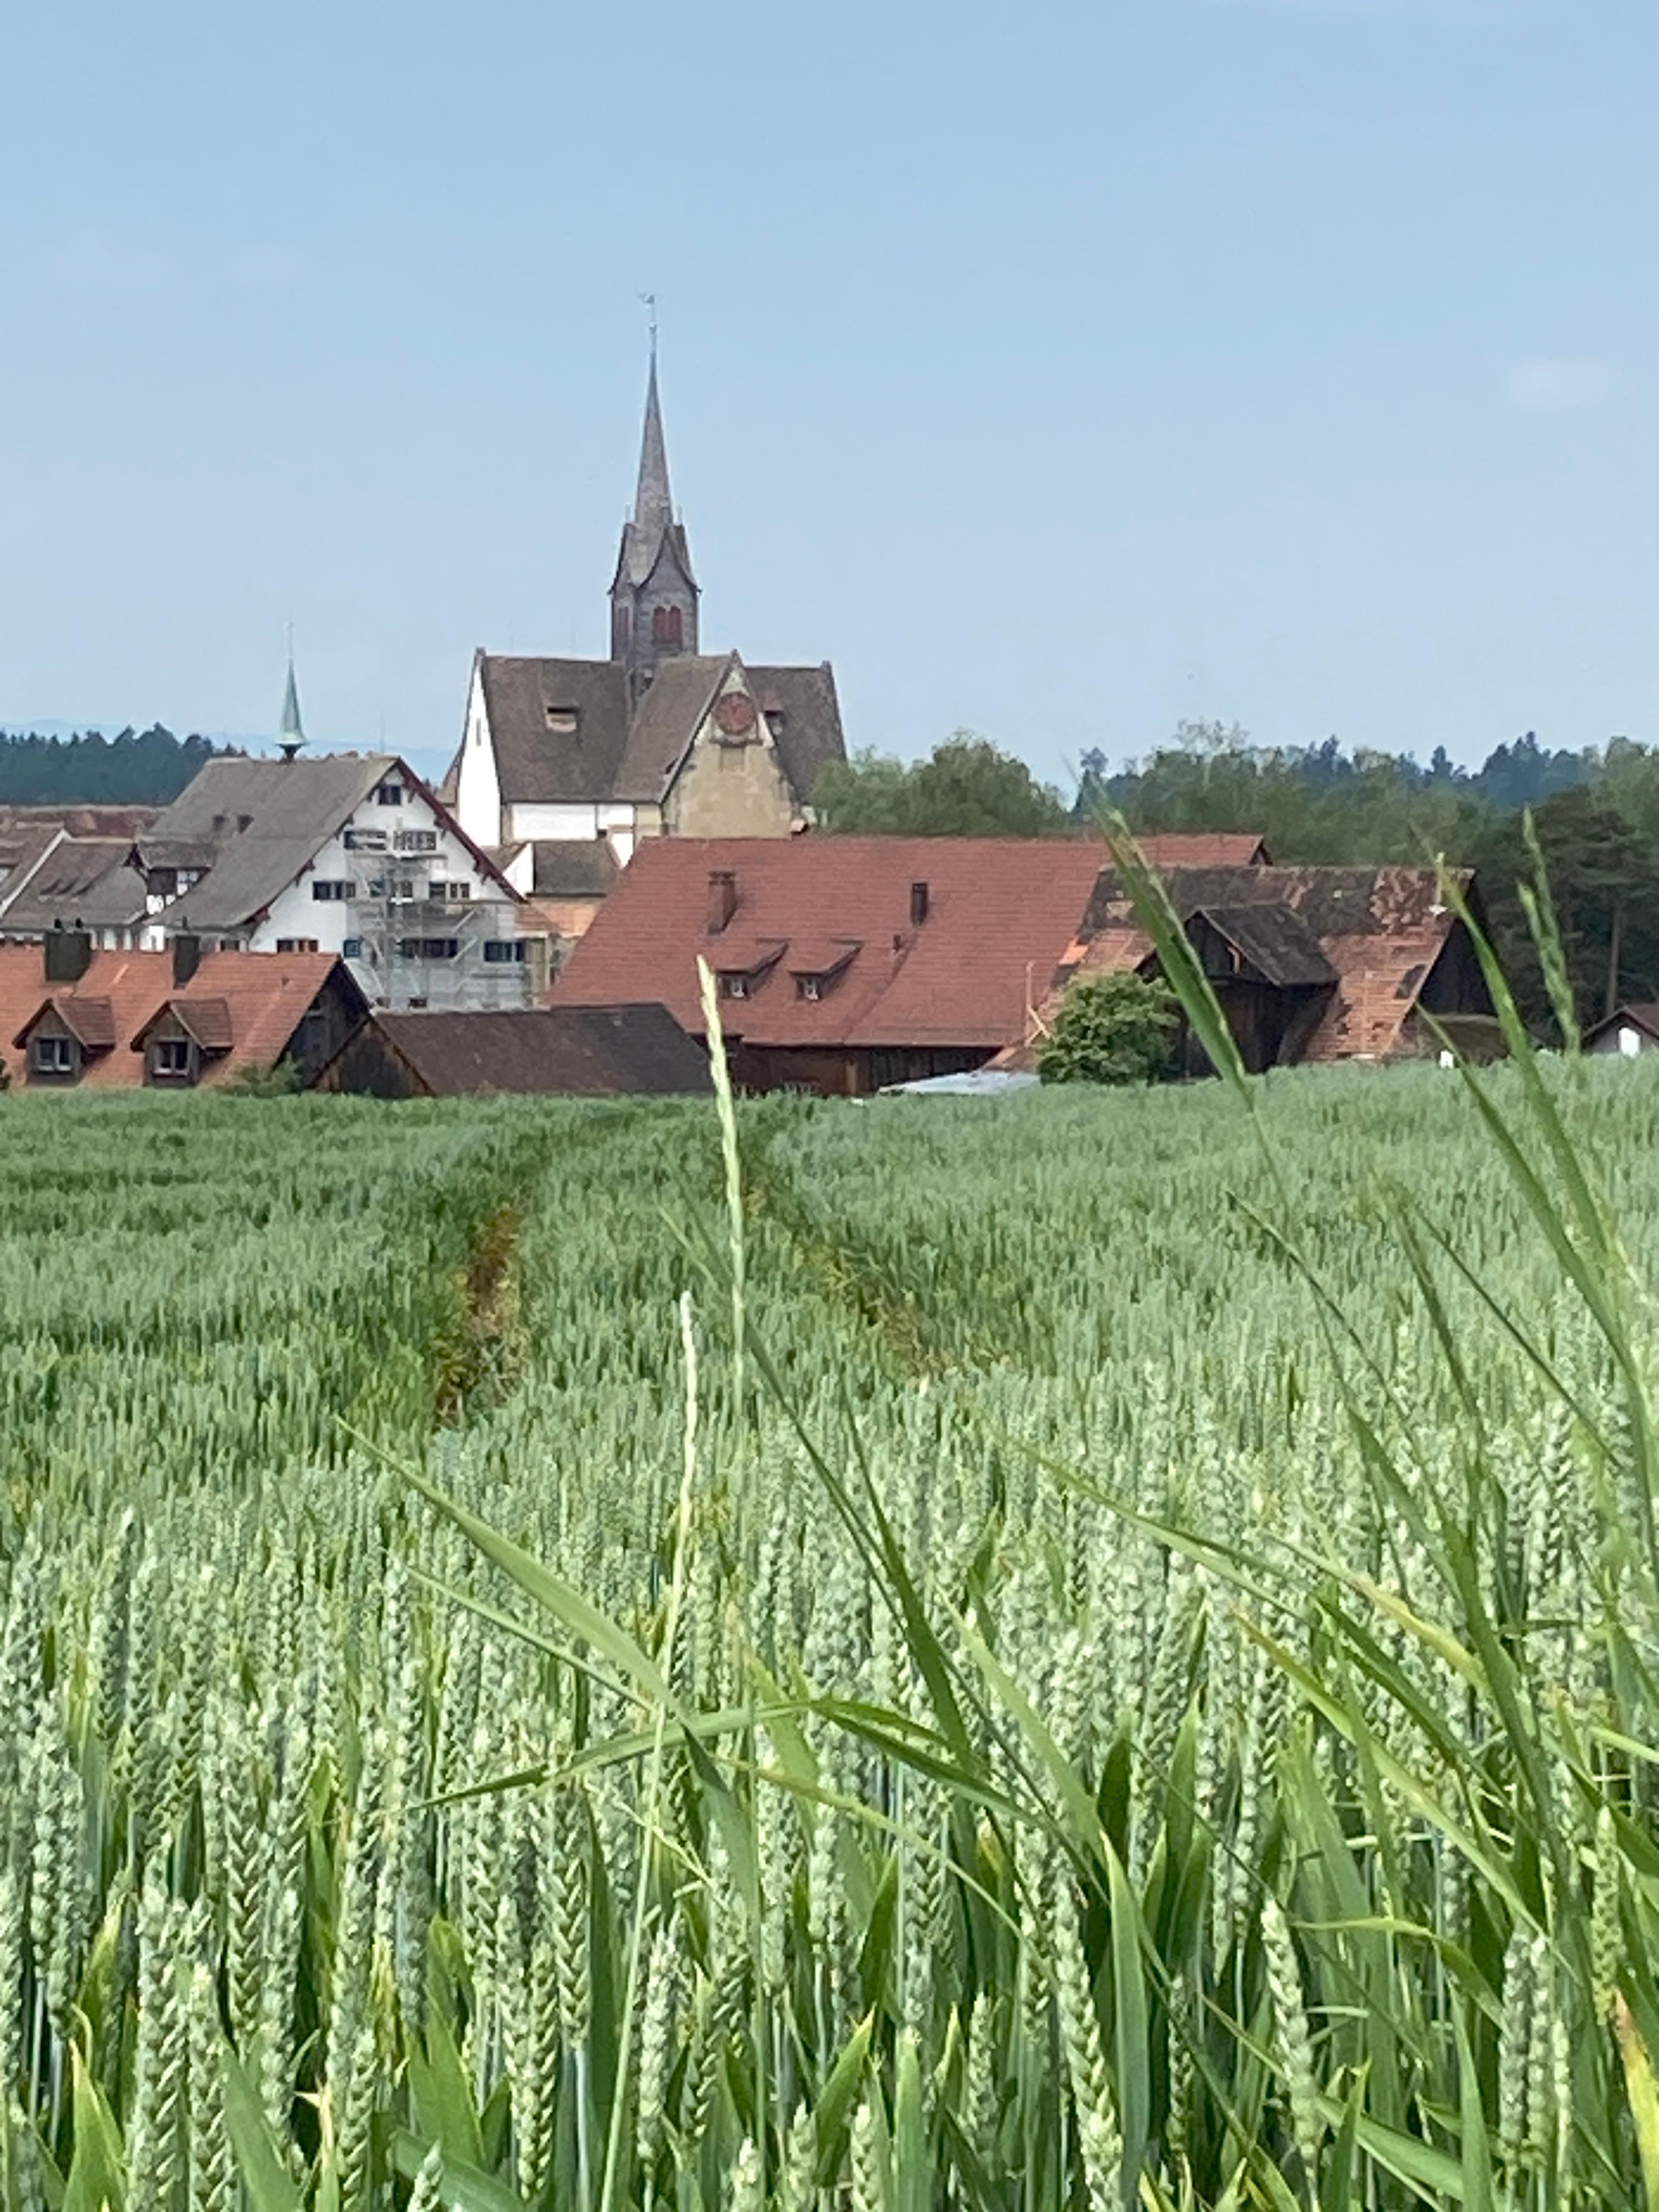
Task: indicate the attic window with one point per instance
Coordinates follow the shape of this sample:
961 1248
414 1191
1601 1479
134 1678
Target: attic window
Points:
169 1059
562 721
811 987
735 983
389 794
775 719
52 1055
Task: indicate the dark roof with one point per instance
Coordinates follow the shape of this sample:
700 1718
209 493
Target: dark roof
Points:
802 708
128 822
540 767
1275 940
264 821
66 885
573 867
579 1052
1642 1015
616 753
1000 914
665 721
89 1020
290 808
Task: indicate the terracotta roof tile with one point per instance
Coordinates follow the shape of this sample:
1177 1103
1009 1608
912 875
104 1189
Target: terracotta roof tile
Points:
262 996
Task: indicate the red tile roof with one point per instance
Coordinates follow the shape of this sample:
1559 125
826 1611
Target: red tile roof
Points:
255 999
1382 930
1204 848
1000 914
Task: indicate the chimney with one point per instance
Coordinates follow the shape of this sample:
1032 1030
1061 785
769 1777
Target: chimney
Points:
187 957
722 899
69 953
918 905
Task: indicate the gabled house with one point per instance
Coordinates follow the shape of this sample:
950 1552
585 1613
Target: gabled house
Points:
1308 963
566 1052
847 964
72 1016
345 853
661 739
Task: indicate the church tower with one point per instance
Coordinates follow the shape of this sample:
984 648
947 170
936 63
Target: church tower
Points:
654 594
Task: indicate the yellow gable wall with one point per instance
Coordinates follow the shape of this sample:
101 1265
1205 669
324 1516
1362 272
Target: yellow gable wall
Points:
727 790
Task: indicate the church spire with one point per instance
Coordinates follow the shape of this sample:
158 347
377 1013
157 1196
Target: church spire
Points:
291 731
653 593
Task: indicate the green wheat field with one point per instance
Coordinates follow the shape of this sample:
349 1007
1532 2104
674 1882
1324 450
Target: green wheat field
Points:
1075 1651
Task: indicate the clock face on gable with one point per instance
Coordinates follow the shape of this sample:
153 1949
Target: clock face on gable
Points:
734 714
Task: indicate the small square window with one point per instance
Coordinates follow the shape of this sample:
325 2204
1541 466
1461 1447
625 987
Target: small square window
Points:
169 1057
352 949
52 1055
502 951
389 794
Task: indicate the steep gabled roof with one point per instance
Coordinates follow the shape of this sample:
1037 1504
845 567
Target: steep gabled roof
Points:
803 714
665 721
1274 939
572 867
264 821
1643 1016
540 765
1000 915
261 998
1380 929
67 883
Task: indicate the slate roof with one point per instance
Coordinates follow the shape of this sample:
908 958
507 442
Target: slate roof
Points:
128 822
808 733
264 821
573 867
1275 940
258 999
1001 913
680 695
23 849
626 754
577 1052
79 879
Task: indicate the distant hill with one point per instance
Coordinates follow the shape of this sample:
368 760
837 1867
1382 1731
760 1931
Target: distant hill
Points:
138 768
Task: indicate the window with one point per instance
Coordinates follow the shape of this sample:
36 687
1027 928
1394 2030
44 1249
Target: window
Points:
666 627
352 949
333 887
809 987
169 1059
427 948
52 1055
452 893
389 794
364 840
775 719
296 944
501 952
392 887
733 986
414 841
562 721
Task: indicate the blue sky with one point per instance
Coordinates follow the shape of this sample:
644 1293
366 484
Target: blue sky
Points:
1060 371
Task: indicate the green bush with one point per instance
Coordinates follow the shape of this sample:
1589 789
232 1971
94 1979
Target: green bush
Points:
1111 1028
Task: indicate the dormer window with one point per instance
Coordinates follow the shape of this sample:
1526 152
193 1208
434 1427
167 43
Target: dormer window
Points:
169 1059
735 983
563 721
811 987
775 719
53 1057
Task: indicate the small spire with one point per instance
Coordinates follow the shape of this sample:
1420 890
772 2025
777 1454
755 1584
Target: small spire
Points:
653 507
291 731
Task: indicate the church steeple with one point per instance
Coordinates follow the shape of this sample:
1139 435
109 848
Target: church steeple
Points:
291 731
653 593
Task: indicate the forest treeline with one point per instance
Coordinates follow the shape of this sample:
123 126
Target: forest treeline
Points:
1595 812
137 768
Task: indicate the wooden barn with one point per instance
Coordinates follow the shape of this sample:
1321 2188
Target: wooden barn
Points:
568 1052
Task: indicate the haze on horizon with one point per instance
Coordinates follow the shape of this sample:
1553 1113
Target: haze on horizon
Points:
1062 373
